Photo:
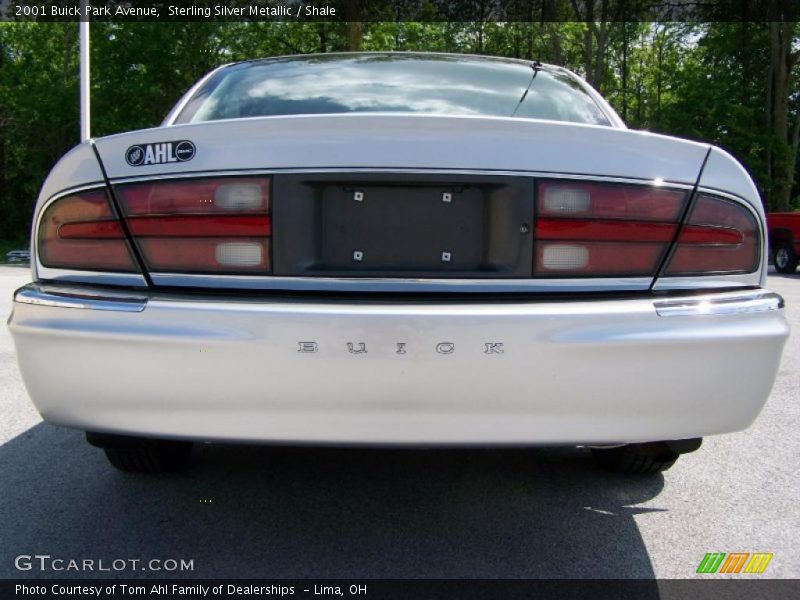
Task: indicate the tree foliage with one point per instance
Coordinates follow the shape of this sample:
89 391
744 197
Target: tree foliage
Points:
717 82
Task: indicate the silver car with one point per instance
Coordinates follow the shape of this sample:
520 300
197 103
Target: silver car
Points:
386 248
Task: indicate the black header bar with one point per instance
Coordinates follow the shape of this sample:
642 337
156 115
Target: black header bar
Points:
503 11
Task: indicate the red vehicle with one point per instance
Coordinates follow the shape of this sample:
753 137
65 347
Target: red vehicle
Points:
784 240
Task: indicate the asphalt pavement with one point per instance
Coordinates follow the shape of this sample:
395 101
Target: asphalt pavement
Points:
245 511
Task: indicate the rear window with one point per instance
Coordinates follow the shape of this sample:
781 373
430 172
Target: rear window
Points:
391 83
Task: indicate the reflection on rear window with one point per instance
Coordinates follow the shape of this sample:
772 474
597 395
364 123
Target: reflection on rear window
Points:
391 83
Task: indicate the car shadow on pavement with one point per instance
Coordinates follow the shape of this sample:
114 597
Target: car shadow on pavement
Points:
254 511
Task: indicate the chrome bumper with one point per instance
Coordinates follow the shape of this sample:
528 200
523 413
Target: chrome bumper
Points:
512 372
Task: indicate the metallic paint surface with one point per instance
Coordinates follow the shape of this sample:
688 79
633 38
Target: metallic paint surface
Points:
582 371
385 140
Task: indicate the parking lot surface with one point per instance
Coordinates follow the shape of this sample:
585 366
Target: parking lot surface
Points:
244 511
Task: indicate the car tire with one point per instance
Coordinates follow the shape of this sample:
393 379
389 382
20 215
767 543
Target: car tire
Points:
785 259
142 455
636 459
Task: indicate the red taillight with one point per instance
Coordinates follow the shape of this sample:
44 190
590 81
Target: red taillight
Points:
720 236
581 200
219 225
194 226
80 232
205 254
229 195
599 229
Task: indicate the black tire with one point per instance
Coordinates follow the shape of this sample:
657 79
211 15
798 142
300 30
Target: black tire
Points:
784 258
141 455
636 459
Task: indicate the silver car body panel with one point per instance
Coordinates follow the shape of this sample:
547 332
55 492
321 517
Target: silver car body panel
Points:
85 298
723 173
518 372
398 284
416 141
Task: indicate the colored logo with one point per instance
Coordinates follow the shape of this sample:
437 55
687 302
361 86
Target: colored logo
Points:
135 156
734 562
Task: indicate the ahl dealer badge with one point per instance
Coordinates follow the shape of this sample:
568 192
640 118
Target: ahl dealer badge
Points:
159 153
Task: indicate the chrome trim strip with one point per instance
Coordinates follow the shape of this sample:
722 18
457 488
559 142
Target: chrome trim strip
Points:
107 300
687 282
40 295
416 170
752 302
715 192
94 185
95 277
370 284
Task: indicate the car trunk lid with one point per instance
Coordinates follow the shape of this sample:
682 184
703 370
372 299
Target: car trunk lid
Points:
402 142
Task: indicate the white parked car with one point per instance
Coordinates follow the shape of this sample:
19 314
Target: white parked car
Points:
398 249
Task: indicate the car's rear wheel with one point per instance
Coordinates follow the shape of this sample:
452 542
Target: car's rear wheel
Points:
785 259
643 459
142 455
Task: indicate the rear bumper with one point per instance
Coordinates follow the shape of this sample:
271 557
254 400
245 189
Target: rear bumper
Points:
499 372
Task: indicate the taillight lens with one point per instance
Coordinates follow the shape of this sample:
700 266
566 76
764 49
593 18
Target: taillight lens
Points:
720 236
80 232
219 225
599 229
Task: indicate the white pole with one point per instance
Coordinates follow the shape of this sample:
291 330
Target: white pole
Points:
85 77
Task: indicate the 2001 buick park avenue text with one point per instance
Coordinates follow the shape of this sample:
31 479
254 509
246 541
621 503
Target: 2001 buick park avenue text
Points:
22 10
